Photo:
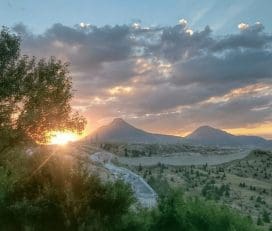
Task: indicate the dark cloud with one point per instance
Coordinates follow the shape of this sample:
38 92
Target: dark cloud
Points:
235 67
251 37
171 73
82 47
176 43
241 111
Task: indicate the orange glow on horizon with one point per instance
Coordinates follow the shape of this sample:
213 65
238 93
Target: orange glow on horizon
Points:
264 130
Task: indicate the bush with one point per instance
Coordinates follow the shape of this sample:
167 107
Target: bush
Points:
177 213
61 196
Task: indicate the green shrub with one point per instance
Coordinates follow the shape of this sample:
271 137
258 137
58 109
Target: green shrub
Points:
60 196
177 213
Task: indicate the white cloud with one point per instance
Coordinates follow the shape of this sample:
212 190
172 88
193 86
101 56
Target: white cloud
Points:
243 26
136 25
183 22
84 25
256 27
189 31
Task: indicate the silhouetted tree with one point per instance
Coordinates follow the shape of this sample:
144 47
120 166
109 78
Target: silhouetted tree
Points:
34 95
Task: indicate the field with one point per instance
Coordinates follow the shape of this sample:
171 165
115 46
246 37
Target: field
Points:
239 178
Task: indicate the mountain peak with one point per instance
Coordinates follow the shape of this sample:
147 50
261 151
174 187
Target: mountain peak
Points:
207 131
212 136
119 122
206 127
121 131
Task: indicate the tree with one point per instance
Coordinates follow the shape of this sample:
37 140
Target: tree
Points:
259 221
266 216
34 95
63 195
177 212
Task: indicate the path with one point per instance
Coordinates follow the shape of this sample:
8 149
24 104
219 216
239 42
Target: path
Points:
143 192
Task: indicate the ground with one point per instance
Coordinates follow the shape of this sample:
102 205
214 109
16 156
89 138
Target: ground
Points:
236 177
245 185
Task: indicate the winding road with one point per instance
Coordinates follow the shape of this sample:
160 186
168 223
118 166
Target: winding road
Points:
146 196
143 192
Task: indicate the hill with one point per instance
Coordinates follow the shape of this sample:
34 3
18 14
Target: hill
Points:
122 132
207 135
119 131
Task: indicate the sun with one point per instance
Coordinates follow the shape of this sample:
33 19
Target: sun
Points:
62 138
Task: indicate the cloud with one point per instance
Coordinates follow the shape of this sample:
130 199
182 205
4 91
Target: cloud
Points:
175 43
136 25
84 25
234 68
257 27
183 22
245 107
82 48
243 26
163 76
238 111
189 31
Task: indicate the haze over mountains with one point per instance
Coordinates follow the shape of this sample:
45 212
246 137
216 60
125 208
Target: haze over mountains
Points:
121 131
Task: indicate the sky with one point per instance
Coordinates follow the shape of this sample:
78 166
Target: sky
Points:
164 66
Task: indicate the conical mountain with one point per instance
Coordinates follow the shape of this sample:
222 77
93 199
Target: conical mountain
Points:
207 135
121 131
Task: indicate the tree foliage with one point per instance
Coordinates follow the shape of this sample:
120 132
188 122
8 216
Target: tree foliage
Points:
34 95
175 212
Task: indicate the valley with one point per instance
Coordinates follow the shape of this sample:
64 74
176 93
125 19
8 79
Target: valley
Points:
235 171
235 177
183 159
244 184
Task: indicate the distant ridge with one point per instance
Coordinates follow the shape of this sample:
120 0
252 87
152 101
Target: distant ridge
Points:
121 131
207 135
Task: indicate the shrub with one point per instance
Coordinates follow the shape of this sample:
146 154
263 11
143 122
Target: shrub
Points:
177 213
61 196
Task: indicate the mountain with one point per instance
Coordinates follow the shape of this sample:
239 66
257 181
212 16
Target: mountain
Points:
121 131
207 135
